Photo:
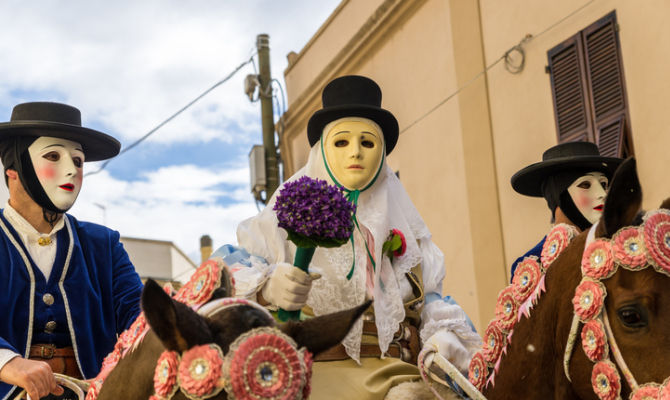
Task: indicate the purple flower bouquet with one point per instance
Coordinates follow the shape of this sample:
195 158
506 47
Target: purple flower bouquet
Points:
314 214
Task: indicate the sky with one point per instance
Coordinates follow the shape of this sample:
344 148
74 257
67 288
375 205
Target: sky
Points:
128 66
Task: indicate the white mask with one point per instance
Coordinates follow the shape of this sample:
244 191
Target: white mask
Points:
354 149
588 193
58 164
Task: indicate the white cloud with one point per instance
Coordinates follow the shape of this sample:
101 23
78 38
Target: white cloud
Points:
131 64
128 65
176 203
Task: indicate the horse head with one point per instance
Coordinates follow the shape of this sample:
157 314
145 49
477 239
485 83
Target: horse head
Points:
635 320
227 347
602 328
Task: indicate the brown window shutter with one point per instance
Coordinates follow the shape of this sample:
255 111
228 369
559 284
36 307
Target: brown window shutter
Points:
607 94
610 136
568 86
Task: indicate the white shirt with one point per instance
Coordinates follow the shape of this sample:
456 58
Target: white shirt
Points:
44 255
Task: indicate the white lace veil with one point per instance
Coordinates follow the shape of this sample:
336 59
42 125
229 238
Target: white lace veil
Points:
385 205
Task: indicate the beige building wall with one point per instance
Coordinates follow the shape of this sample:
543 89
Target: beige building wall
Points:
521 105
458 149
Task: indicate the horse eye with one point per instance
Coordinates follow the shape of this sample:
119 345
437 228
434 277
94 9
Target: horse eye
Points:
632 317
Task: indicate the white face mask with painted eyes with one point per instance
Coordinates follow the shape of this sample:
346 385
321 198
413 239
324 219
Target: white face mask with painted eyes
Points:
353 150
58 164
588 193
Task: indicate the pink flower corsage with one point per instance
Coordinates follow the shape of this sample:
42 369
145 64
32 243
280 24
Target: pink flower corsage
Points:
494 341
594 341
526 277
395 245
589 299
506 308
657 238
629 249
165 375
597 261
201 285
648 391
605 381
478 371
557 240
264 363
199 373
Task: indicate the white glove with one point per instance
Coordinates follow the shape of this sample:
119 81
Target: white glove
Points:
449 346
288 287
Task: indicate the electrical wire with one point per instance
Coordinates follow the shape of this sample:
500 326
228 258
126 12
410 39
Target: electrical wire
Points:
283 96
515 69
151 132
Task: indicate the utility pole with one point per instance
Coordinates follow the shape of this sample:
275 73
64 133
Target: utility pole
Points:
267 115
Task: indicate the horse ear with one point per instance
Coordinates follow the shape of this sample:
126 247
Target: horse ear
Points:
623 200
175 324
321 333
226 289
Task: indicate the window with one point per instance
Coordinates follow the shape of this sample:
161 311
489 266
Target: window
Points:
589 90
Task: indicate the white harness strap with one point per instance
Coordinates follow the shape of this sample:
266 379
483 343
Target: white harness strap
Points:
614 349
572 337
218 305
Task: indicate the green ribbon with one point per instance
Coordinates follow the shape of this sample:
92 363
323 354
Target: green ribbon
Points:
352 196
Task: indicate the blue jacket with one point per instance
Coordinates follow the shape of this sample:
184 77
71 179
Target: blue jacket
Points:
94 286
535 251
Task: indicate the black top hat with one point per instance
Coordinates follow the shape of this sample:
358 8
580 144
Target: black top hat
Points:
61 121
563 157
353 96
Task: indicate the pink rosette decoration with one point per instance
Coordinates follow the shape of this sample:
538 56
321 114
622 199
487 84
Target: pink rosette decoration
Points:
594 341
478 371
165 374
589 299
203 282
199 373
629 249
557 240
494 341
648 391
598 261
605 381
526 277
663 391
308 360
264 363
506 308
657 240
94 389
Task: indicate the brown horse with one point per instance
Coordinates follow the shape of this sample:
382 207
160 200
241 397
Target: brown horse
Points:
176 327
637 306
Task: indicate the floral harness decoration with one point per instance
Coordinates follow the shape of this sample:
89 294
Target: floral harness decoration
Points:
262 363
515 301
632 248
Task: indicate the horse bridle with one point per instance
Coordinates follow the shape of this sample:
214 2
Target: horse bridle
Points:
631 248
261 363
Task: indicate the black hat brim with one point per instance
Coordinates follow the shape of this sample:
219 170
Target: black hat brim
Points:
528 181
383 118
97 146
